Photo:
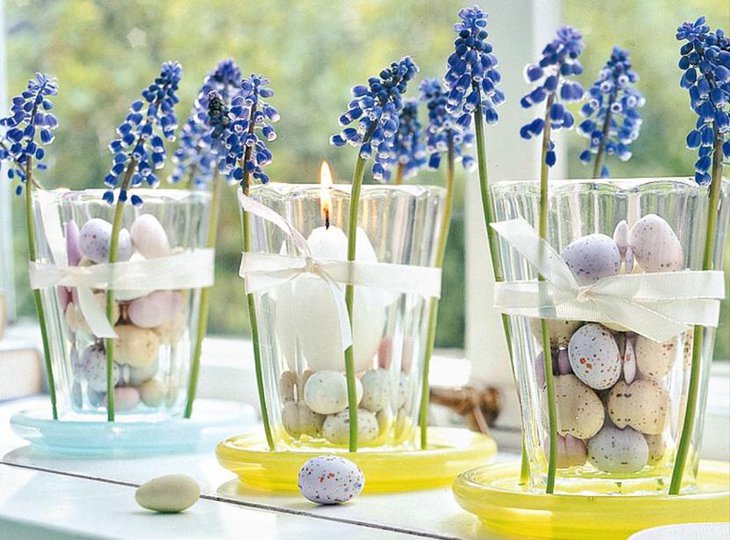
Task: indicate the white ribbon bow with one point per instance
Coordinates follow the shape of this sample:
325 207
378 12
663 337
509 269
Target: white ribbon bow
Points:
185 270
658 305
262 271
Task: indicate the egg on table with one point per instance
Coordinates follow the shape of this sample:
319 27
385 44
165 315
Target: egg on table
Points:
330 480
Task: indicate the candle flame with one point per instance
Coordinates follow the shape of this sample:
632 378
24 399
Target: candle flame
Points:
325 180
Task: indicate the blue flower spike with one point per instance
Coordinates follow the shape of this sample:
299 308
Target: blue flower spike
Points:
28 128
243 130
472 78
375 109
705 61
612 121
196 157
409 148
140 148
443 127
551 82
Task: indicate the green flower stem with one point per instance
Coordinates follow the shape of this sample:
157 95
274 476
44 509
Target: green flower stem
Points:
30 228
544 330
113 253
685 440
204 296
602 145
488 214
434 304
398 179
357 178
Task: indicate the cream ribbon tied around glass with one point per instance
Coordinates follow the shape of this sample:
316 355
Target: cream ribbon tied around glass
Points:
263 271
657 305
189 269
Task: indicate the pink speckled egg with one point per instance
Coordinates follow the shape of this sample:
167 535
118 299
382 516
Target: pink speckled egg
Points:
592 257
594 356
330 480
655 246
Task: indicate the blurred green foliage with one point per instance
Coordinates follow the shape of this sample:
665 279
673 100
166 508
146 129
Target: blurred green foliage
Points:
313 51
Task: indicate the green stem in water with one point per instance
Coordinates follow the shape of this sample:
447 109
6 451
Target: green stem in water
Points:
398 179
544 330
357 178
210 242
434 304
488 213
113 253
600 155
30 228
685 440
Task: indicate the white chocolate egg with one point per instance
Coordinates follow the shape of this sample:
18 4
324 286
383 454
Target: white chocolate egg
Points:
151 393
375 390
167 494
615 450
592 257
594 356
139 375
95 241
642 405
330 480
137 347
149 237
326 392
655 246
155 309
172 331
654 360
336 427
580 411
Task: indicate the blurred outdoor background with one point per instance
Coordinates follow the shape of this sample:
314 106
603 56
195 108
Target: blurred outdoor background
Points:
314 51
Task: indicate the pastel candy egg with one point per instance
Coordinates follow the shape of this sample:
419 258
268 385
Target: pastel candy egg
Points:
594 356
287 385
657 448
615 450
95 241
149 237
385 419
137 347
169 493
654 360
73 245
571 451
564 362
139 375
621 237
77 396
336 427
298 419
560 331
131 294
172 331
126 398
629 361
642 405
155 309
64 297
330 480
592 257
326 392
655 246
385 353
93 368
151 393
580 411
74 319
375 390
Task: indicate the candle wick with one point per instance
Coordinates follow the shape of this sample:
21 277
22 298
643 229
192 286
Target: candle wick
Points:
326 218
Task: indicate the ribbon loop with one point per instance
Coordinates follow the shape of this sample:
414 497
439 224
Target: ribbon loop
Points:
658 305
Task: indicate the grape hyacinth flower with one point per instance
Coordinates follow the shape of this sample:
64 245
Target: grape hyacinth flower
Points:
195 158
376 109
443 128
705 60
28 129
612 121
551 85
408 147
140 149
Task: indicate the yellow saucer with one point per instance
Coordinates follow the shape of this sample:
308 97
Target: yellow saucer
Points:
450 452
493 495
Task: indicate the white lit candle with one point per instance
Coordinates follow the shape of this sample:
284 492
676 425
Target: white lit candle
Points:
307 318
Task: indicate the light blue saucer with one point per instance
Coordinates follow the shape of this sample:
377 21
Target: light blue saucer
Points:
212 420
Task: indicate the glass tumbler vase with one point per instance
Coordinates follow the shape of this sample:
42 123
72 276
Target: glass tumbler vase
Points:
302 357
154 323
620 396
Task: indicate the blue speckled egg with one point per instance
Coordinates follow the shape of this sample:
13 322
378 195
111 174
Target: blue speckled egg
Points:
330 480
592 257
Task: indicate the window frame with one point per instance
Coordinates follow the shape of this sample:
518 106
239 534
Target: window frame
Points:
7 283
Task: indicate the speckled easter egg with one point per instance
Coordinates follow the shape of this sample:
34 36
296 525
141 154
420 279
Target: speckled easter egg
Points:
615 450
629 361
655 246
137 347
93 368
654 360
579 410
298 419
326 392
571 451
375 389
330 480
621 237
155 309
95 240
592 257
560 331
336 427
594 356
642 405
73 246
149 237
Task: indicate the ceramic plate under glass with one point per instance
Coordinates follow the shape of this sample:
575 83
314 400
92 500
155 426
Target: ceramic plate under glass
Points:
450 452
492 493
91 436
